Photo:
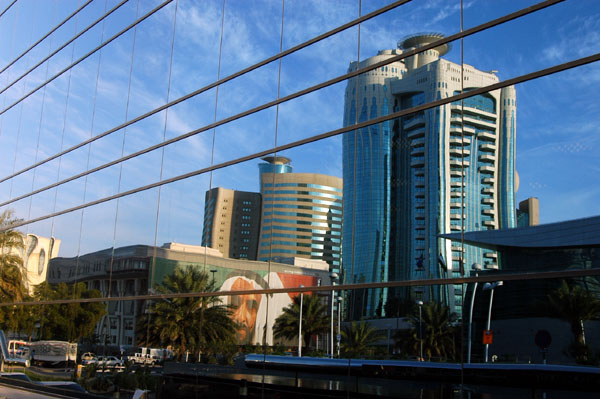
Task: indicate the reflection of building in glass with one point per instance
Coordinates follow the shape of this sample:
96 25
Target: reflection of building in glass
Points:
520 308
36 253
445 169
301 214
528 213
136 268
232 222
300 217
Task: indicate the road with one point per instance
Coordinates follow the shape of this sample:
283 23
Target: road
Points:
7 392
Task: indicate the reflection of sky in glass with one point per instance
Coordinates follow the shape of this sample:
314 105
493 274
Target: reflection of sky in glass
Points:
557 148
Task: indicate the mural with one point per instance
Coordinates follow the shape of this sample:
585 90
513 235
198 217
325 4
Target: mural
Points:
256 313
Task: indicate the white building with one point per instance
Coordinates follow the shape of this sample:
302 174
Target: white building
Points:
36 253
406 181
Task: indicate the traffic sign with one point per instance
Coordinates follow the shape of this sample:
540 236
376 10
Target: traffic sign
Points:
488 336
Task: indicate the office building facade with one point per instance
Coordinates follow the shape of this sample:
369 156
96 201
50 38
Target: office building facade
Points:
232 222
301 214
445 169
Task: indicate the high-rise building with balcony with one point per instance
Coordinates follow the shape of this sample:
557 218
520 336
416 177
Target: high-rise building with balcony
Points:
301 214
446 169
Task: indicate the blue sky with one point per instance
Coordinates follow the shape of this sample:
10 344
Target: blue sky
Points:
558 138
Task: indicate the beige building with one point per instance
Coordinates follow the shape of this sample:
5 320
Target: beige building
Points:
301 214
232 222
528 213
36 253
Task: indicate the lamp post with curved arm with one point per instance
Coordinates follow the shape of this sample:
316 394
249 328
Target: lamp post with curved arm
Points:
300 324
339 330
490 286
476 267
334 277
420 304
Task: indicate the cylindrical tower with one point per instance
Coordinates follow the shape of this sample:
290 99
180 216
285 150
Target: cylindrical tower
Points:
427 56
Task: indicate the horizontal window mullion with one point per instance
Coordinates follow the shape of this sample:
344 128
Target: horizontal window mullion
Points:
215 84
60 48
331 133
64 21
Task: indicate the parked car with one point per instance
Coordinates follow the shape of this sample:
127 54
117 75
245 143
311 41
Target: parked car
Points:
87 356
109 361
142 359
89 360
145 359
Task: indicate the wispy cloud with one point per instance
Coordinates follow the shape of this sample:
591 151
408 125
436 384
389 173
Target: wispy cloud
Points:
579 37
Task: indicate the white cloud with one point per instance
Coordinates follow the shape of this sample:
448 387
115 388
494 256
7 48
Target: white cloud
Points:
579 37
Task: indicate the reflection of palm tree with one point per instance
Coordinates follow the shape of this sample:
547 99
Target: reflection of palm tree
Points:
314 319
574 305
357 337
11 278
194 323
438 332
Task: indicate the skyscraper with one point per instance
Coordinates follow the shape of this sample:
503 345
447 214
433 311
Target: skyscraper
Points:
301 214
232 222
406 181
528 213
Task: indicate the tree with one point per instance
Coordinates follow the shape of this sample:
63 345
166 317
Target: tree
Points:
188 324
68 322
439 334
11 241
12 287
357 337
314 319
575 305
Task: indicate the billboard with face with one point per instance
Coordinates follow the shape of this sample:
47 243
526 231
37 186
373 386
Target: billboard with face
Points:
256 313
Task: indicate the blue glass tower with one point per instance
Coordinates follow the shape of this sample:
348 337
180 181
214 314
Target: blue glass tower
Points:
367 163
446 169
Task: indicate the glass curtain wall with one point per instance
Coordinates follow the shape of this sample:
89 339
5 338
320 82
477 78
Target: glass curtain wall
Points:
391 198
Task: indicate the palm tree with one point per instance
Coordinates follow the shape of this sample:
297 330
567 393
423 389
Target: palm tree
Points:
439 334
188 324
12 287
575 305
11 241
314 319
357 337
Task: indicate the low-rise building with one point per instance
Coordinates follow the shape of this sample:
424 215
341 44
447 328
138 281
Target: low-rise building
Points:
133 270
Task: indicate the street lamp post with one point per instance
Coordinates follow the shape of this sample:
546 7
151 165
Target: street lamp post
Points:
477 268
420 303
300 324
334 277
339 330
490 286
